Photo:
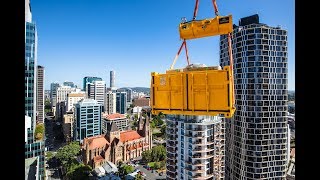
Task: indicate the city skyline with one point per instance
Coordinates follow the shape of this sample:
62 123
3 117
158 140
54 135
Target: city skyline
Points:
78 39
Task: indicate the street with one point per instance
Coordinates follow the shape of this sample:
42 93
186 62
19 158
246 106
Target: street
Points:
53 142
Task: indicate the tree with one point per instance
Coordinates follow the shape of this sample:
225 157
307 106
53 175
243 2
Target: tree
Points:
78 171
163 129
39 131
49 155
125 169
152 124
163 164
158 153
146 156
156 165
66 153
136 117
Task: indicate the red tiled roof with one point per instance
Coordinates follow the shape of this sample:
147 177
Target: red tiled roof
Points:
129 135
115 116
98 158
95 141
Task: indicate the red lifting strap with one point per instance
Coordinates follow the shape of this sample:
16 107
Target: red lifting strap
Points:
195 10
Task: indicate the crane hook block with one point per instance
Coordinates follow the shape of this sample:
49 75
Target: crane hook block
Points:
207 27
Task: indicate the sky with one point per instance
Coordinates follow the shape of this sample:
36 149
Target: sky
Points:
78 38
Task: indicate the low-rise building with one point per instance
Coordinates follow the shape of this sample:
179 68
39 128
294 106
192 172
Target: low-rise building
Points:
119 119
141 102
67 126
116 146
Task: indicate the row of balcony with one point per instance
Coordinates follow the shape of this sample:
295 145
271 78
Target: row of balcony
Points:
197 162
196 129
202 176
198 135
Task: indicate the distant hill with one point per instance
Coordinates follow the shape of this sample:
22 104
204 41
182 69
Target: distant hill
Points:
140 89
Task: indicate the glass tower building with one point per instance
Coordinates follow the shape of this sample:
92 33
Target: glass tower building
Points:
121 102
30 66
256 136
89 79
87 119
34 149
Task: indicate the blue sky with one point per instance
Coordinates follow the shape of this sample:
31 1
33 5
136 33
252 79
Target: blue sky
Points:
79 38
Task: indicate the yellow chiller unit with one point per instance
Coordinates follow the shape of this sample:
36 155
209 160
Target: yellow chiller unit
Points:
206 27
193 91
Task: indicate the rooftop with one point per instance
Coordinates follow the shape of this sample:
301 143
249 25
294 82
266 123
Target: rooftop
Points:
96 141
78 94
129 135
31 168
115 116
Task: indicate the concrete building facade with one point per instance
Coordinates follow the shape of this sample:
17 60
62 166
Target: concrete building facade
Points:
257 134
119 119
67 126
97 90
110 102
195 147
40 94
112 79
73 98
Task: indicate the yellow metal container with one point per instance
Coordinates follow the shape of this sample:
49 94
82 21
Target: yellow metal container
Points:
199 91
206 27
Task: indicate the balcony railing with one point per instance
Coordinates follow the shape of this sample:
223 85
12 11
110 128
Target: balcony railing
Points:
206 156
196 129
202 149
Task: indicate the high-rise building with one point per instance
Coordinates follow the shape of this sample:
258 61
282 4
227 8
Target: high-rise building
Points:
40 94
67 126
69 83
256 136
30 65
89 79
34 153
195 147
121 102
53 94
110 102
112 79
87 119
129 93
73 98
61 99
34 150
97 90
47 94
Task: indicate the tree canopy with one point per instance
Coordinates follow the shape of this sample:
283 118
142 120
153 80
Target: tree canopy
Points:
125 169
66 153
157 153
39 131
